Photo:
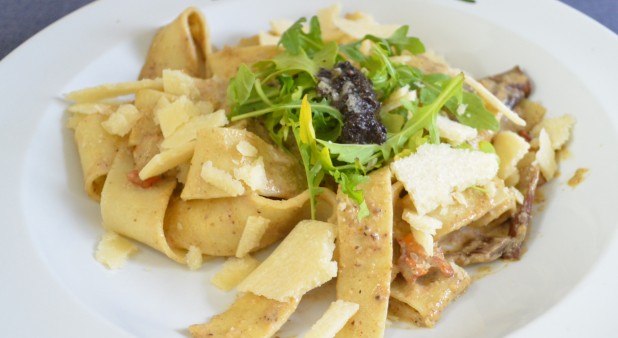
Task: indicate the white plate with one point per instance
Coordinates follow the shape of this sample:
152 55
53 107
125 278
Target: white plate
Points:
52 287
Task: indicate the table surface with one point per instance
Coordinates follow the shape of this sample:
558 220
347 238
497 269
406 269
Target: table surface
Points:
19 20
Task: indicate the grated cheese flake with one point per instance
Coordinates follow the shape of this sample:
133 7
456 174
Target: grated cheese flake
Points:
221 179
435 171
113 250
423 228
558 129
455 131
546 157
254 229
302 262
234 271
333 320
246 149
194 258
511 148
253 174
122 120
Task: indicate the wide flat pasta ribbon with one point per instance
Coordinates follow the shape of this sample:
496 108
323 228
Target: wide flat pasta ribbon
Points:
183 44
137 212
97 149
215 226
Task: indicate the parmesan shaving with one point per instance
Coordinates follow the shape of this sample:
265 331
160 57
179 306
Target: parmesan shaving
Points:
108 91
423 228
254 229
167 160
234 271
194 258
122 120
333 320
558 129
278 27
511 148
455 131
221 180
254 175
114 250
394 100
546 157
303 261
178 83
172 116
91 108
246 149
435 171
188 132
361 25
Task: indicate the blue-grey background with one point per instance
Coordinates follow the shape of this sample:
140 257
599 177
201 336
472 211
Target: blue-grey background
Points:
20 19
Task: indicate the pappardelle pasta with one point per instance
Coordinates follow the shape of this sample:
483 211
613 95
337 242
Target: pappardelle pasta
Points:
344 142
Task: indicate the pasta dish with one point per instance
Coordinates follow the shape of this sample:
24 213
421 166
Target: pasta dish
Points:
344 145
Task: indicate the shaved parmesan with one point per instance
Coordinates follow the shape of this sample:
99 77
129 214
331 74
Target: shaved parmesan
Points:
455 131
546 157
254 229
221 180
268 39
511 148
234 271
278 27
188 132
303 261
172 116
394 100
194 258
435 171
167 160
253 174
108 91
114 250
423 229
558 129
360 25
91 108
122 120
338 313
246 149
178 83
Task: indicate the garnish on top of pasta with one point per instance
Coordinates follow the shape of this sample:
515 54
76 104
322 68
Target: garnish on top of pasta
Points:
333 132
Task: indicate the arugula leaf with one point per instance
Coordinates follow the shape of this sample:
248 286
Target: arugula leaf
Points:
349 153
400 41
349 183
291 38
240 86
295 40
487 148
475 114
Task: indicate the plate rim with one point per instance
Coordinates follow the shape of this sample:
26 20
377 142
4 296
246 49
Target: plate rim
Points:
48 288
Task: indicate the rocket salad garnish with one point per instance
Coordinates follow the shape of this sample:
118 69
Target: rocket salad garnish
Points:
282 92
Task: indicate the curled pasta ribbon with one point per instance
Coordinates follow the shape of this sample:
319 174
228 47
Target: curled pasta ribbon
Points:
97 149
183 45
135 212
215 226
